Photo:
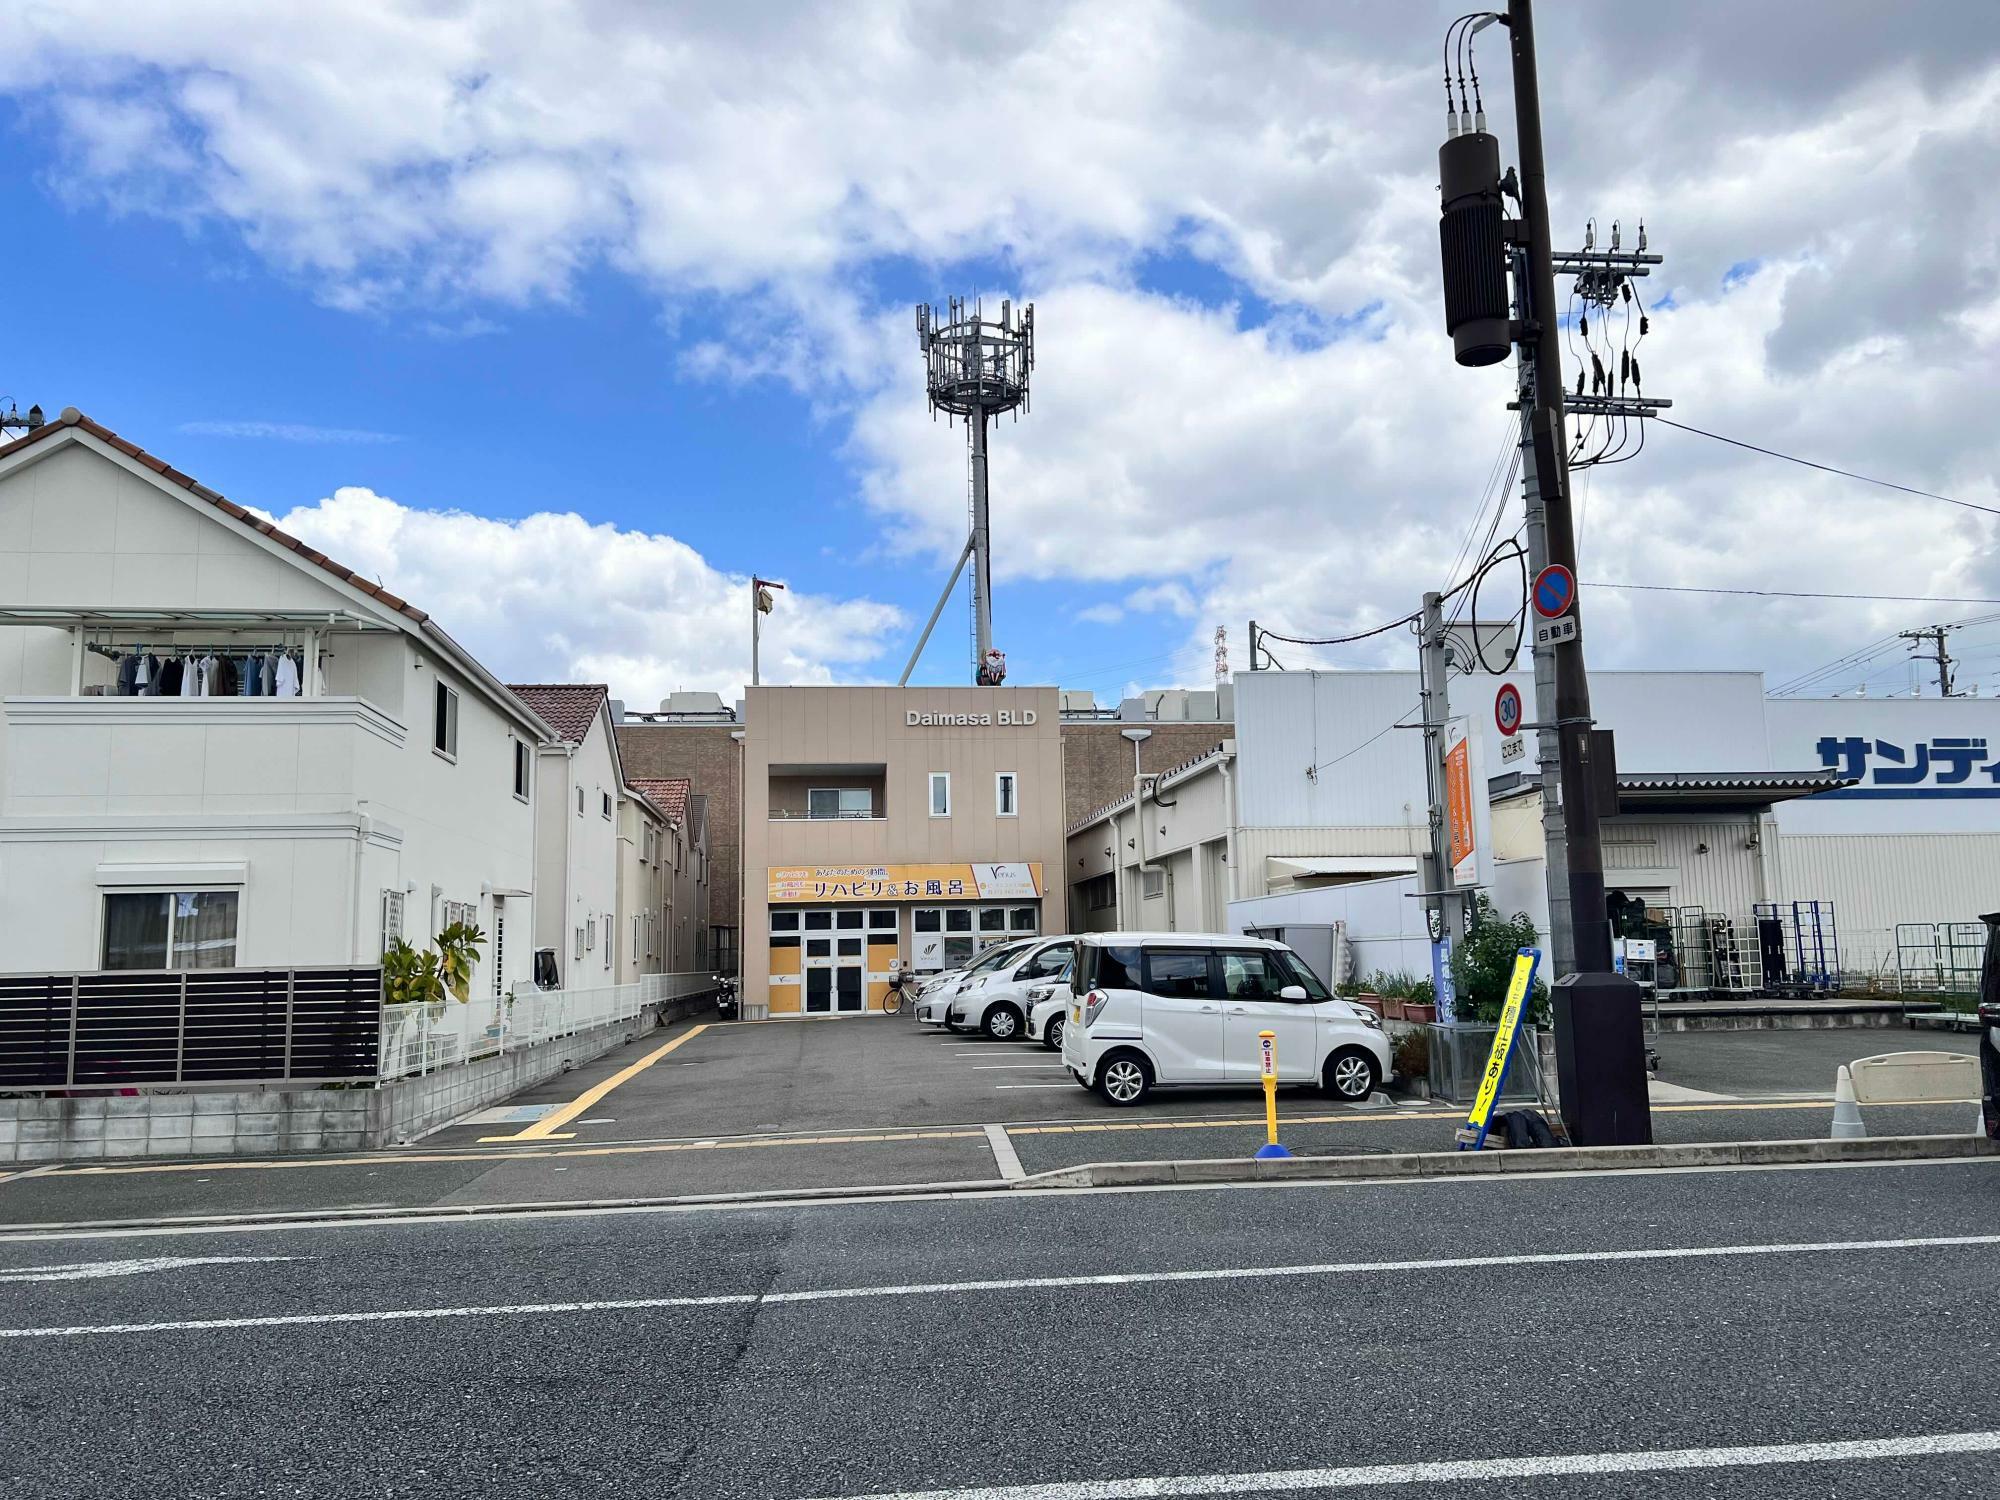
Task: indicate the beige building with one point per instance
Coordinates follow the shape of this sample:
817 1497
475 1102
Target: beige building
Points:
920 824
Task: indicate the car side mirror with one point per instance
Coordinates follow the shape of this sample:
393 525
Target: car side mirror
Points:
1293 992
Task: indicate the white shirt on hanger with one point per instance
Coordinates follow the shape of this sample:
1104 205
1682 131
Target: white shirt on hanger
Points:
288 678
190 677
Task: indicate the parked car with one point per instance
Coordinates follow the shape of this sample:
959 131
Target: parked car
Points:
1152 1009
1048 1010
994 999
939 991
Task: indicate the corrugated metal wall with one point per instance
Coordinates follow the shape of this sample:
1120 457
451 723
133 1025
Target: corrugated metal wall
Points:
1878 880
1704 862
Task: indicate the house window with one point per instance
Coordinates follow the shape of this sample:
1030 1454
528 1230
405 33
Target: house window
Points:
170 930
392 919
1005 804
1152 884
606 798
840 802
940 794
444 723
579 802
610 939
522 761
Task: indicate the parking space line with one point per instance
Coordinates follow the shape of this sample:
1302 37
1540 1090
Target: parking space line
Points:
1017 1067
1004 1155
547 1126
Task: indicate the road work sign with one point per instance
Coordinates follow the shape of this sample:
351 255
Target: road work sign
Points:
1472 1135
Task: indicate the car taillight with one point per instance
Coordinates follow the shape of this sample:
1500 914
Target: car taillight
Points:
1093 1003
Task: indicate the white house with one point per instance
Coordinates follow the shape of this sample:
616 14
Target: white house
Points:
577 858
219 747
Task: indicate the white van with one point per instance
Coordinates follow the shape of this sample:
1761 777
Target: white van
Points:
995 1000
1152 1008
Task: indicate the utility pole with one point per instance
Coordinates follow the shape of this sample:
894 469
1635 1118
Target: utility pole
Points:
760 606
1938 654
1439 892
1600 1040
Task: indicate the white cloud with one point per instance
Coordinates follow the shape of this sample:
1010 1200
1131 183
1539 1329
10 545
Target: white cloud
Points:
552 598
1100 614
1313 458
288 432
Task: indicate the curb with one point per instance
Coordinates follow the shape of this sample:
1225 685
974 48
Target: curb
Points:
1408 1164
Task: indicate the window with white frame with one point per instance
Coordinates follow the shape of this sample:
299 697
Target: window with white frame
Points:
170 929
1006 796
606 796
610 938
580 937
1152 883
579 802
523 769
444 722
840 802
940 794
392 919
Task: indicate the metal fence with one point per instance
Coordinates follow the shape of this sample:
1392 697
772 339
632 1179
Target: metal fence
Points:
424 1038
1940 957
123 1028
1781 948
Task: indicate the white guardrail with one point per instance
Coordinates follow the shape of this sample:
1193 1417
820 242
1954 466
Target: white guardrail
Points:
424 1038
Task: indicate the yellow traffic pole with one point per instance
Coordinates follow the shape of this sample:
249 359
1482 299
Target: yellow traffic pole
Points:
1267 1049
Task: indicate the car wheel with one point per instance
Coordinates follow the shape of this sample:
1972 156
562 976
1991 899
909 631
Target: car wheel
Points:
1351 1074
1124 1078
1002 1023
1052 1033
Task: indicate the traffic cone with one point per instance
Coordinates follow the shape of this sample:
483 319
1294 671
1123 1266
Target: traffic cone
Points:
1847 1124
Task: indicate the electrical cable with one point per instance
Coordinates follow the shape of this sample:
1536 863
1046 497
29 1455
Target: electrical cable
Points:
1793 458
1676 588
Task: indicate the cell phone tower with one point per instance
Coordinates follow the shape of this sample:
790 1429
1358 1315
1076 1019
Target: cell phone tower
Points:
976 368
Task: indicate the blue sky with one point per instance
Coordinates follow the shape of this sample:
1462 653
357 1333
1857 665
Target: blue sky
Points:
654 269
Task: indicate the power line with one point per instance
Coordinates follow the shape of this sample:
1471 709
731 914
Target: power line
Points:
1793 458
1676 588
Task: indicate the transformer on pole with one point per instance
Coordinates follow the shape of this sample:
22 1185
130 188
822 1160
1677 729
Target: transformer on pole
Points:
976 368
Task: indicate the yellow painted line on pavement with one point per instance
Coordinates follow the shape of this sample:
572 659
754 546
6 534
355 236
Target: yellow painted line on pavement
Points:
547 1126
565 1153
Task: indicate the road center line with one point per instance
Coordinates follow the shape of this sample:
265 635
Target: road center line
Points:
1018 1284
1929 1445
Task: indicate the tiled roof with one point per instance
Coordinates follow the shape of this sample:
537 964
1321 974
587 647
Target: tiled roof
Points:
71 417
570 708
668 793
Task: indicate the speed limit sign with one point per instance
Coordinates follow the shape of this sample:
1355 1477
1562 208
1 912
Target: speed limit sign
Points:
1507 709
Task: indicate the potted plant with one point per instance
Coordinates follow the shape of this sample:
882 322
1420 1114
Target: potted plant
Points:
1421 1003
458 955
411 976
1412 1059
1482 965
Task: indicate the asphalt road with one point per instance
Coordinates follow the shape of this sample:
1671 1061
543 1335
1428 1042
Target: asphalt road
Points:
888 1348
793 1106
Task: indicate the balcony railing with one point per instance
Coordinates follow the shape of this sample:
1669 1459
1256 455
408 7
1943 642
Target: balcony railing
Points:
789 815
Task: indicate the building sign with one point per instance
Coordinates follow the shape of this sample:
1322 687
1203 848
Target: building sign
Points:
1002 882
1004 718
1943 766
1458 799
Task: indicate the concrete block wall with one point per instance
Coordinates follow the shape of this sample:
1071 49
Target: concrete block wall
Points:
36 1131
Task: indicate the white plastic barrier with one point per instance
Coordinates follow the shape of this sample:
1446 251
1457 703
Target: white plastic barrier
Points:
1916 1078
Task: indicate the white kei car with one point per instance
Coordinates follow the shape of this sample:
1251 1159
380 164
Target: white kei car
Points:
1163 1008
993 998
1048 1011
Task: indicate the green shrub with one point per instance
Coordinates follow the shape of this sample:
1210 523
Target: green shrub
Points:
1482 964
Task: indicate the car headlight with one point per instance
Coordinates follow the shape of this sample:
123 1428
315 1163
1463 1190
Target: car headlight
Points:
1370 1019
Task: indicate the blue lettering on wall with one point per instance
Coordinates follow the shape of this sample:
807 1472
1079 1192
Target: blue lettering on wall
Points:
1946 766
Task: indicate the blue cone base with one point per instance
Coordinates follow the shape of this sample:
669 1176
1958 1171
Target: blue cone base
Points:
1272 1151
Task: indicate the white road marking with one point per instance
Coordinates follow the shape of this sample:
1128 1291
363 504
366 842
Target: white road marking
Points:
1483 1263
1040 1067
1070 1085
94 1270
1657 1461
863 1195
1674 1093
1004 1154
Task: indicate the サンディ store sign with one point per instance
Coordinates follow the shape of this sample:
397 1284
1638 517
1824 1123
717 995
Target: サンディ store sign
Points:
1005 882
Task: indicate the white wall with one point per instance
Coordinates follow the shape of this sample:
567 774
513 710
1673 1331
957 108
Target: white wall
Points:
579 856
1798 726
316 804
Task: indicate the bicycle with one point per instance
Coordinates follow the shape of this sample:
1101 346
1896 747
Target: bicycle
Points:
892 1002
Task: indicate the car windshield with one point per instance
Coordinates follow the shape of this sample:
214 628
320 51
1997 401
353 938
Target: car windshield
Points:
997 958
1295 966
